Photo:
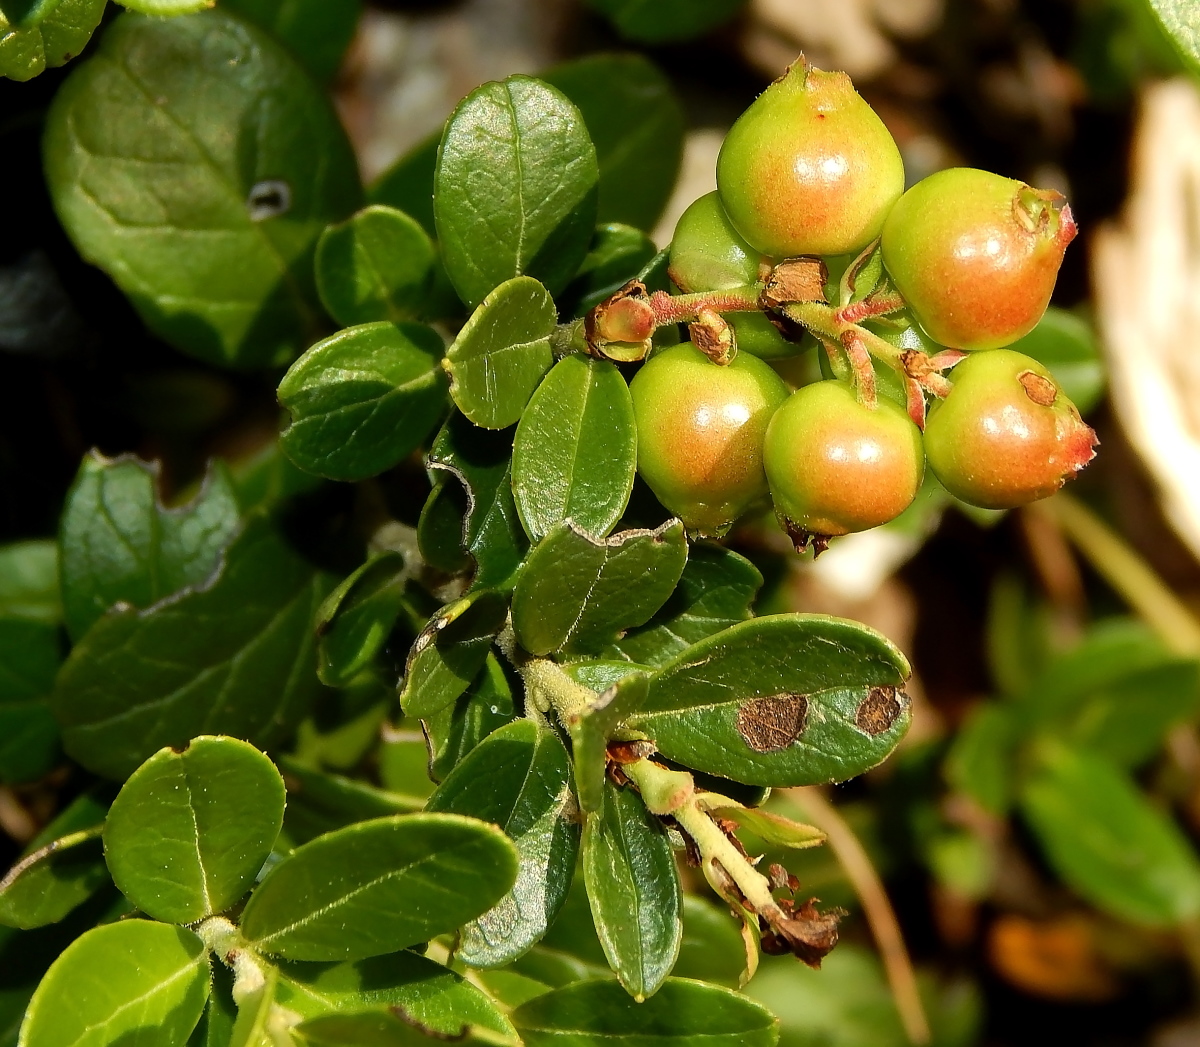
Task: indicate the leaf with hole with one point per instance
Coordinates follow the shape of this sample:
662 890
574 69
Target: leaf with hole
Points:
354 622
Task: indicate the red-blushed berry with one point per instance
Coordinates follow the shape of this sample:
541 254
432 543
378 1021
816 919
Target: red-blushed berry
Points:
700 430
1006 434
976 255
836 466
809 169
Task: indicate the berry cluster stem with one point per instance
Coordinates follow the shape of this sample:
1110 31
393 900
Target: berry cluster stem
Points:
673 309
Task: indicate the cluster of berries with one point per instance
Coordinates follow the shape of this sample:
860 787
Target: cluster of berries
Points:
941 276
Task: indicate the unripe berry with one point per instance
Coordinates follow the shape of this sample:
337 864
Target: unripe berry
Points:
836 466
809 169
976 255
1006 435
700 432
708 254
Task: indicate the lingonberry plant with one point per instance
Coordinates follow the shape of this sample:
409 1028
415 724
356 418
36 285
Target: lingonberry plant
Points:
594 699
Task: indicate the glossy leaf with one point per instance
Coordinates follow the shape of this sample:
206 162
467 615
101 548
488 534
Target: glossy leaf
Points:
128 982
633 886
636 124
682 1014
49 41
363 400
478 492
715 591
147 164
356 618
515 188
29 581
486 706
575 450
1067 344
1181 20
421 991
501 353
189 831
592 728
518 778
379 886
120 545
579 593
450 651
617 255
660 21
1109 842
315 31
788 699
376 265
241 661
408 184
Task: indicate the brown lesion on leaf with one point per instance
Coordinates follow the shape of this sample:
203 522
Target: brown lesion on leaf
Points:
879 710
771 724
1038 388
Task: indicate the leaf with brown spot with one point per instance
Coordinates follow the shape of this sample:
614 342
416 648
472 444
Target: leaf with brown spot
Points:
771 724
879 709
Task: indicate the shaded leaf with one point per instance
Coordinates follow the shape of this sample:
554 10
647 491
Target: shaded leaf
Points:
58 33
319 802
617 255
29 581
592 728
484 707
315 31
30 654
355 620
358 1030
711 949
216 1025
408 184
659 21
29 741
981 760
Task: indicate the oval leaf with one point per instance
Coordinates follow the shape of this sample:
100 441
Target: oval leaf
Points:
379 886
633 886
128 982
220 267
579 593
363 400
788 699
190 830
515 188
501 353
575 451
518 778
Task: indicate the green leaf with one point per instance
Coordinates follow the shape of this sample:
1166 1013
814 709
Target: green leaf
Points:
315 31
254 1011
363 399
128 982
637 125
771 828
1067 344
376 265
490 530
240 661
579 593
660 21
421 991
356 618
22 14
319 802
58 35
216 1026
1108 842
982 757
61 868
189 831
575 450
789 699
715 591
501 353
379 886
681 1014
408 184
486 706
29 581
617 255
1181 20
450 651
712 949
633 886
267 478
358 1030
29 741
180 159
518 778
30 654
121 545
592 728
515 188
165 8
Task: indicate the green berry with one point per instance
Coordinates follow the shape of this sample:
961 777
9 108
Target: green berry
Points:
1006 434
836 466
708 254
976 255
809 169
700 430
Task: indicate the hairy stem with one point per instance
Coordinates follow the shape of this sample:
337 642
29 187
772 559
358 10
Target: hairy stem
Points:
672 309
547 684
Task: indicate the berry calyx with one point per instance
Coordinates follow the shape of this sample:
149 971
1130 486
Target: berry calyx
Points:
1007 434
809 169
836 466
700 430
976 255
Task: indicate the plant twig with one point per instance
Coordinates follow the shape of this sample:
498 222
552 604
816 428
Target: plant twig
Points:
877 907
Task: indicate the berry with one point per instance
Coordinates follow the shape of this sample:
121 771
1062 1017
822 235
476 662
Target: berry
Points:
700 430
1006 434
809 169
976 255
836 466
708 254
